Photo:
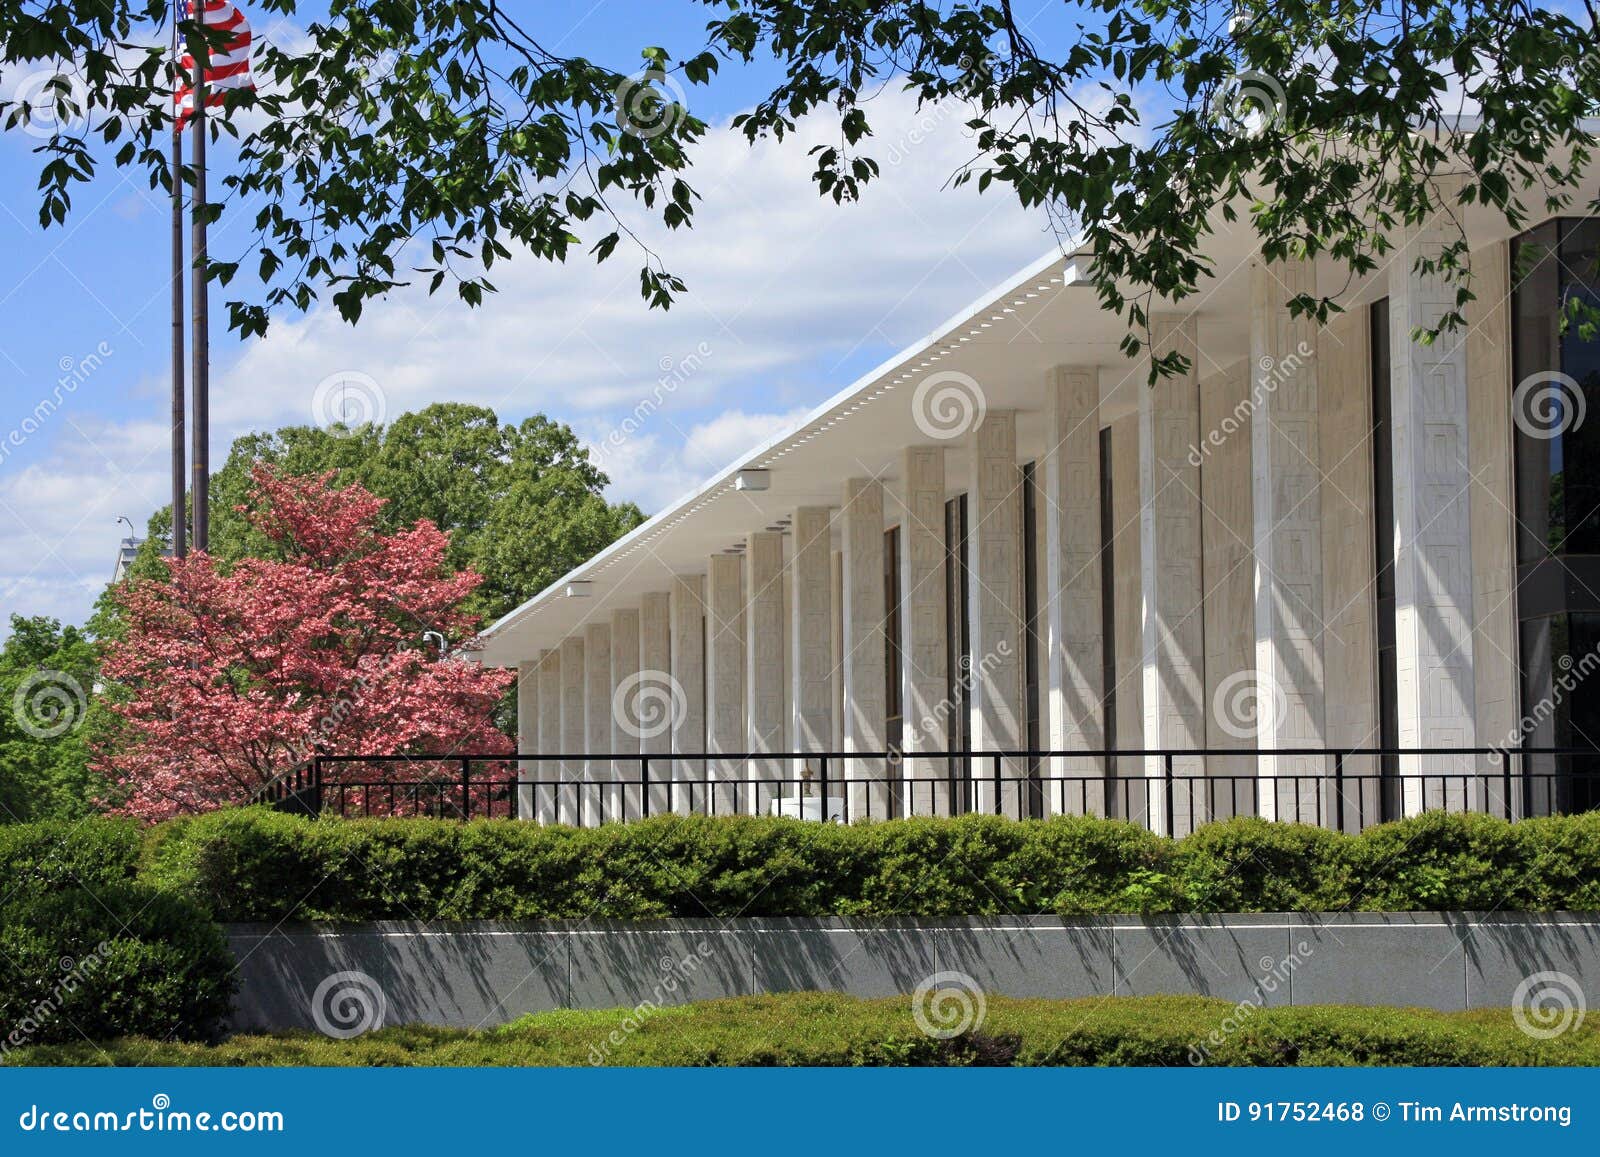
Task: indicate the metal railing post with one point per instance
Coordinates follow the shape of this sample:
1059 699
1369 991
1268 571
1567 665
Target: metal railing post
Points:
466 789
1505 781
997 807
1166 760
822 788
1338 791
644 787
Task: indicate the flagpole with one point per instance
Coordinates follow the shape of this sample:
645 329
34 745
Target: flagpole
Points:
201 464
180 513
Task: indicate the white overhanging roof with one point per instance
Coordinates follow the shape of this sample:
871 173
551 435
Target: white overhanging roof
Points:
1007 341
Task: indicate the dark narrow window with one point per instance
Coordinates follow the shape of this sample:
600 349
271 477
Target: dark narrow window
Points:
1383 548
1555 268
891 635
1108 612
958 651
1030 630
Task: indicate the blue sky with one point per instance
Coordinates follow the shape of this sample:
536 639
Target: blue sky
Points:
790 298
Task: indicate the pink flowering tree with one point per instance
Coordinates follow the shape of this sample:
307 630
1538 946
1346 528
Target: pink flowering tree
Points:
229 679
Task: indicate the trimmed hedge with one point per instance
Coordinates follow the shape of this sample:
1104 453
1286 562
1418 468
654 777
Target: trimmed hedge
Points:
108 961
830 1029
258 865
55 854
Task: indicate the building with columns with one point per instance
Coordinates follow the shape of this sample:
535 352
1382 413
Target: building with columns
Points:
1329 573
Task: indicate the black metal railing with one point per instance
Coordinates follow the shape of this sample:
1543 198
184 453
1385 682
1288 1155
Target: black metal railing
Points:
1169 790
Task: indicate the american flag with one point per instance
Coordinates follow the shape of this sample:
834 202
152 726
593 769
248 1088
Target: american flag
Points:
230 65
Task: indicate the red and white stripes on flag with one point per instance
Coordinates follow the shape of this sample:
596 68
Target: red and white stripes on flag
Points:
229 67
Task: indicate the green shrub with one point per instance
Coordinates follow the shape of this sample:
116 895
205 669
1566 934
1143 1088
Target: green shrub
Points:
1253 865
815 1028
110 960
54 854
254 864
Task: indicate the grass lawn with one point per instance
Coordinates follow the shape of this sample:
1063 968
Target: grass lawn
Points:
828 1029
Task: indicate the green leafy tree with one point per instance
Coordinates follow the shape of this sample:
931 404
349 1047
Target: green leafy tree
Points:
49 712
523 504
429 140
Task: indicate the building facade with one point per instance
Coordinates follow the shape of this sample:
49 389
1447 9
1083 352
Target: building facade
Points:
1331 573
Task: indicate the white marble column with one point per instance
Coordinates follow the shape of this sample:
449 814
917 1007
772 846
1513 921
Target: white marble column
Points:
655 669
597 691
811 639
1229 568
924 674
1169 555
574 728
1433 562
1287 503
1128 789
689 678
764 699
1349 600
863 658
527 735
1496 666
725 730
1073 647
995 558
551 742
621 802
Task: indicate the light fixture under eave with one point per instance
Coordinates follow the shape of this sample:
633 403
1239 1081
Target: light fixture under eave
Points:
752 480
578 589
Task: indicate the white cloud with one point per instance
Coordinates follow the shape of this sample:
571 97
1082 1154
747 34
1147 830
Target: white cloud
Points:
789 295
